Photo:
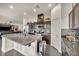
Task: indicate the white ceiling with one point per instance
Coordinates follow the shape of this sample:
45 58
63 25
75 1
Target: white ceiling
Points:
19 8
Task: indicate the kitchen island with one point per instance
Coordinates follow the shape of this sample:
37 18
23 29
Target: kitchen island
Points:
26 45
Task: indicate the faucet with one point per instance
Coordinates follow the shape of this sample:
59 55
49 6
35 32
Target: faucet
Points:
24 32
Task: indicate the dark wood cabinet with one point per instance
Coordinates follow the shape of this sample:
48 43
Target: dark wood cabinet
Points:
40 18
47 38
4 27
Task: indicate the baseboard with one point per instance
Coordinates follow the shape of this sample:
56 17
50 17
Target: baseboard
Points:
4 51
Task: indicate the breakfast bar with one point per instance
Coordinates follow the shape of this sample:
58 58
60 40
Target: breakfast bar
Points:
26 45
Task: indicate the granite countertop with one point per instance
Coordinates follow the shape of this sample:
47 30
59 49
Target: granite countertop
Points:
20 38
74 41
72 47
71 38
71 42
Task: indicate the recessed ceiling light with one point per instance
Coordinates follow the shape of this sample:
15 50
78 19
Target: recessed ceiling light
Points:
11 6
49 5
34 10
24 13
37 6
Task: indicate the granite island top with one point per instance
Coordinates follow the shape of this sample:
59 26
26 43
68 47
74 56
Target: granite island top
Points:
21 39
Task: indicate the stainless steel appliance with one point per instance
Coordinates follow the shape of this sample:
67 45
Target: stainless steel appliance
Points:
42 47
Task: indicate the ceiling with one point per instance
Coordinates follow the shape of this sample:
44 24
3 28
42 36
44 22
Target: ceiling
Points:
16 14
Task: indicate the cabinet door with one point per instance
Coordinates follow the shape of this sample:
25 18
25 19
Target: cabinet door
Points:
71 20
76 16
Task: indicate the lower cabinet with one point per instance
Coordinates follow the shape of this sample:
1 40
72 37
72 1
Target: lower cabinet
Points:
28 50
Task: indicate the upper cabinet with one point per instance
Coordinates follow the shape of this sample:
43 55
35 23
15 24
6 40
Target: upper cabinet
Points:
40 18
74 17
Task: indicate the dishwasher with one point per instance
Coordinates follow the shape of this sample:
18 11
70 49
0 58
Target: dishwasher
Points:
42 48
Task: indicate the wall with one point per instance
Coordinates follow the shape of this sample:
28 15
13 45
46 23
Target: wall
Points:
56 27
